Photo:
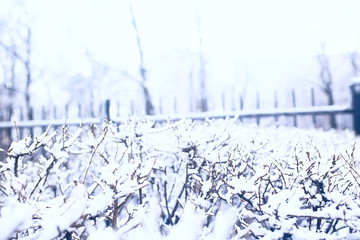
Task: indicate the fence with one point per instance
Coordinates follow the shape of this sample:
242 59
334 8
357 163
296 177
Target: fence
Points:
353 108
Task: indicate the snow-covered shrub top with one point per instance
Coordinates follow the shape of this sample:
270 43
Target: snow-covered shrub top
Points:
183 180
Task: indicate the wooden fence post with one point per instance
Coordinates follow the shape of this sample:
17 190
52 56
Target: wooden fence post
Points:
313 105
355 94
223 101
107 109
257 106
276 105
43 117
293 96
67 111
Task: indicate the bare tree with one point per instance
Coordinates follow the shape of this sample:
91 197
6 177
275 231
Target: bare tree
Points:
7 86
26 61
7 92
203 104
16 72
327 81
149 107
21 53
98 71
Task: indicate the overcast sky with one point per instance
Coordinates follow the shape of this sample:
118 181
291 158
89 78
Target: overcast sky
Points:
234 33
232 29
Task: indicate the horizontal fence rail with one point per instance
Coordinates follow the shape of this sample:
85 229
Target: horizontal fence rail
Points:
256 113
18 129
353 108
45 123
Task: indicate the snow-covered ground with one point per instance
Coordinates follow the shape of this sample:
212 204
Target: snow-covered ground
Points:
217 179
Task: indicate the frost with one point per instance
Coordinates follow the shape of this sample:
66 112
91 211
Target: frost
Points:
189 227
107 233
216 179
66 214
223 224
20 147
12 218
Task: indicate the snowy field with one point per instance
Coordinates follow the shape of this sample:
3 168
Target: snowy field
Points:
182 180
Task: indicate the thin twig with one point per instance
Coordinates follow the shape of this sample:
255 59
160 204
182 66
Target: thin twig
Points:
167 203
94 151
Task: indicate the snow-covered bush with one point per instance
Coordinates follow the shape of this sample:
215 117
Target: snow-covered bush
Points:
195 180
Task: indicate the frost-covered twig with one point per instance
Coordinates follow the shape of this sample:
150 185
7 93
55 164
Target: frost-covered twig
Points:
277 189
94 151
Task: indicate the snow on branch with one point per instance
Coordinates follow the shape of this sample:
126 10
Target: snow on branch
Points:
216 179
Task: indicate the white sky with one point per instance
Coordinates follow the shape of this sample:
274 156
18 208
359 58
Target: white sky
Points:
234 32
232 29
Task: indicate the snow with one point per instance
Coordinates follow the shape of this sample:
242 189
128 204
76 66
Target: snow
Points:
53 122
189 226
223 224
193 116
12 217
213 179
20 147
248 113
65 214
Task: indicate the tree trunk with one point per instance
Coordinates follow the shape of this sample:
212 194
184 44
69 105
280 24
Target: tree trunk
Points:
330 98
202 71
149 107
148 103
29 110
327 81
